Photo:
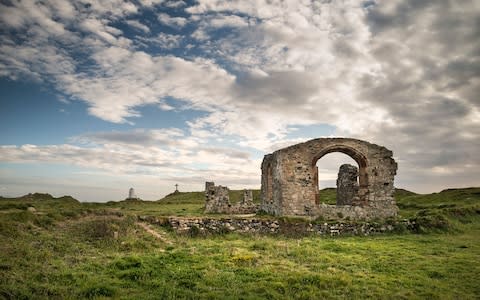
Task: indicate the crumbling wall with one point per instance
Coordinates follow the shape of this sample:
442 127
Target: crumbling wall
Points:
347 185
290 180
217 200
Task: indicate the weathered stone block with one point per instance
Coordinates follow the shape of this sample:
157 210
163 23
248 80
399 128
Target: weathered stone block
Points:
347 186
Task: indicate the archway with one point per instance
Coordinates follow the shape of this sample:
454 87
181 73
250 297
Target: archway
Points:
361 161
327 173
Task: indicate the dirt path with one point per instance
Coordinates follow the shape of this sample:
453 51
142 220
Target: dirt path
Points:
155 233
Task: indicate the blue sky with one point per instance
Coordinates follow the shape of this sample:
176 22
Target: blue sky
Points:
100 96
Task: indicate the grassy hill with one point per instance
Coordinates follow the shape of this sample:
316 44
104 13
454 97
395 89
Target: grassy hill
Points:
67 249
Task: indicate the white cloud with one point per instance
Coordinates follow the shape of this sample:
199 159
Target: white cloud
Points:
172 21
130 79
165 156
394 73
150 3
228 21
138 25
166 41
175 3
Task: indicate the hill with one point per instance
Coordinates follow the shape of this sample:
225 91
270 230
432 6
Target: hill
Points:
38 201
447 200
69 250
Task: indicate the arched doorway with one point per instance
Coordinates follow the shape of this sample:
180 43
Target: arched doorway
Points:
327 173
361 163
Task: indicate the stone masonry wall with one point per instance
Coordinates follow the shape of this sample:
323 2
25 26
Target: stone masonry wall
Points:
266 226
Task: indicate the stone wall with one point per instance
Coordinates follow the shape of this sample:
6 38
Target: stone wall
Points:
290 179
264 226
347 186
217 200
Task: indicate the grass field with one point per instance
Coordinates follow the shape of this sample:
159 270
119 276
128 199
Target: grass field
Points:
66 249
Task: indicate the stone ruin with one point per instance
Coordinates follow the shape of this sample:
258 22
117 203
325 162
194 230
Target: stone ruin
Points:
217 200
347 186
290 181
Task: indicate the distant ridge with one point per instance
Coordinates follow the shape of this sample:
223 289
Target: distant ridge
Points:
42 197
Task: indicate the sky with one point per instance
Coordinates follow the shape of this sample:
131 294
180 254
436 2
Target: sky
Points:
100 96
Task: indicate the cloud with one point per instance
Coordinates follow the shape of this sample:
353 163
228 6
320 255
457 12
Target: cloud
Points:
163 155
171 21
150 3
228 21
171 137
138 25
127 79
404 74
166 41
175 4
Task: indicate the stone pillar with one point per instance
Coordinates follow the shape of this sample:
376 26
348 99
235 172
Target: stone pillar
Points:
347 186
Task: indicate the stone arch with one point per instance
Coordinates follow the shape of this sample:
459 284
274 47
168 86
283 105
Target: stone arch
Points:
357 156
290 174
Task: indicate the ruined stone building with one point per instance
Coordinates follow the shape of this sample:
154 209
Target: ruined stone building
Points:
217 200
290 181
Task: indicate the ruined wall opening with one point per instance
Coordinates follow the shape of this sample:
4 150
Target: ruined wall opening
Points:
343 169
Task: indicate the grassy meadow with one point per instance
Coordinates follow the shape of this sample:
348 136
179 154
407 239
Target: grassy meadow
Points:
64 249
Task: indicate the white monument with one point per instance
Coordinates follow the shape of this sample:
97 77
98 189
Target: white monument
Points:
131 194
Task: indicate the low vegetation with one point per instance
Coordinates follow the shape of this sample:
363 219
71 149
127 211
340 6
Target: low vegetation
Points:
57 248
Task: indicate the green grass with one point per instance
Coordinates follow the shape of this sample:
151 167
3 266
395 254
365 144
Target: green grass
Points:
67 250
328 196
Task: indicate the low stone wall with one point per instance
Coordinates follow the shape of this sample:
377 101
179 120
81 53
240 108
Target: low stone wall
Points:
332 212
275 226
